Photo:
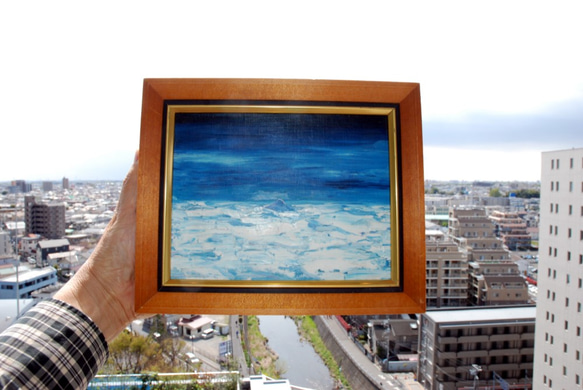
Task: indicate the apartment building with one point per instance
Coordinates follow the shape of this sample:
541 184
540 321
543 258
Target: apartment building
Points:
48 220
511 229
496 282
473 232
468 348
559 338
447 272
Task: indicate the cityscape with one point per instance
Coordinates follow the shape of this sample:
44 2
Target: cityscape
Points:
504 280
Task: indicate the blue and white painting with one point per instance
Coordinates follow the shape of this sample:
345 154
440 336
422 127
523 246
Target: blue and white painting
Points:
280 197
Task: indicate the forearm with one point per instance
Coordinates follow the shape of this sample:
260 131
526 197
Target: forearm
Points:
53 345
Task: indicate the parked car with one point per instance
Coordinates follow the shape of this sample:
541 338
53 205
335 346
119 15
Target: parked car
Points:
191 357
208 333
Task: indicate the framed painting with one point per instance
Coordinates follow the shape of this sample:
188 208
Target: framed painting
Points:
280 197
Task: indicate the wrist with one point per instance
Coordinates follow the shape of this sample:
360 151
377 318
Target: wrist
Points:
100 305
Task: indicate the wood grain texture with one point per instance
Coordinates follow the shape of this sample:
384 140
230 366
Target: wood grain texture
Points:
407 95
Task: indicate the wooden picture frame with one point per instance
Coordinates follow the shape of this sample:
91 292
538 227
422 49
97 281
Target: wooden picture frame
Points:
248 190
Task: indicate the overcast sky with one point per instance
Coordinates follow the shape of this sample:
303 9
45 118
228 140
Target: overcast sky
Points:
501 81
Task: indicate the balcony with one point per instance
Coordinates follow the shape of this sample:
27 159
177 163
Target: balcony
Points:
505 337
504 352
473 339
446 355
446 340
502 367
473 353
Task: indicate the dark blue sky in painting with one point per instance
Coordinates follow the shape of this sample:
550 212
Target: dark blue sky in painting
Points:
295 157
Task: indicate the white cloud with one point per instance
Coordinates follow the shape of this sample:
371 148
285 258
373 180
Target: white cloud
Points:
73 71
442 163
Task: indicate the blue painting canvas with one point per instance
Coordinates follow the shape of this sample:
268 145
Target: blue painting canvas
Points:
280 197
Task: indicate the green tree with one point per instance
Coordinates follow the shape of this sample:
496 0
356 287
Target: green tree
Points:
132 354
172 348
495 192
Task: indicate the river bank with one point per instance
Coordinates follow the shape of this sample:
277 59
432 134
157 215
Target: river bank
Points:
264 359
308 330
303 352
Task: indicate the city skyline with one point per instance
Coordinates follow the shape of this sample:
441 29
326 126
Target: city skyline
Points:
497 88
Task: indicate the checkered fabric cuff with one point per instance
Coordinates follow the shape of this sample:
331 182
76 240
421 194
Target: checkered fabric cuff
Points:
52 346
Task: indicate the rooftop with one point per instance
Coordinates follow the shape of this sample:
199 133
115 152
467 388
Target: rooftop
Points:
489 314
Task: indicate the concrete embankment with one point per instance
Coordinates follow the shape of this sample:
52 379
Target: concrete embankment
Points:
358 370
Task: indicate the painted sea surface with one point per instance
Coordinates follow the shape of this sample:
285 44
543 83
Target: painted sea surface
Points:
280 197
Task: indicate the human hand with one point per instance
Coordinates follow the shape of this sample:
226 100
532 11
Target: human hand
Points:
104 286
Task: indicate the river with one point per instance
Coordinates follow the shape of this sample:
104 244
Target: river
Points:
303 366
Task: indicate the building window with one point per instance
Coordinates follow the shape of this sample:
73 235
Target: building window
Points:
557 163
570 186
566 302
553 164
552 185
571 163
557 185
570 209
578 307
569 253
569 234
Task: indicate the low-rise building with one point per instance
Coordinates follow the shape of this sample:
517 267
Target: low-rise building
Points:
194 326
5 245
22 281
463 349
47 247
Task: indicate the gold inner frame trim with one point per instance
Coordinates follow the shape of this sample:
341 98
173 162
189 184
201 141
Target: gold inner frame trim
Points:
389 112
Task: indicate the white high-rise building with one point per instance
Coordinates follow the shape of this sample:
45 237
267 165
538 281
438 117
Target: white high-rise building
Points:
559 316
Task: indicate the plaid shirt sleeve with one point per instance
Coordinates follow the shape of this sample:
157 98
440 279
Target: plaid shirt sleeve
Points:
52 346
